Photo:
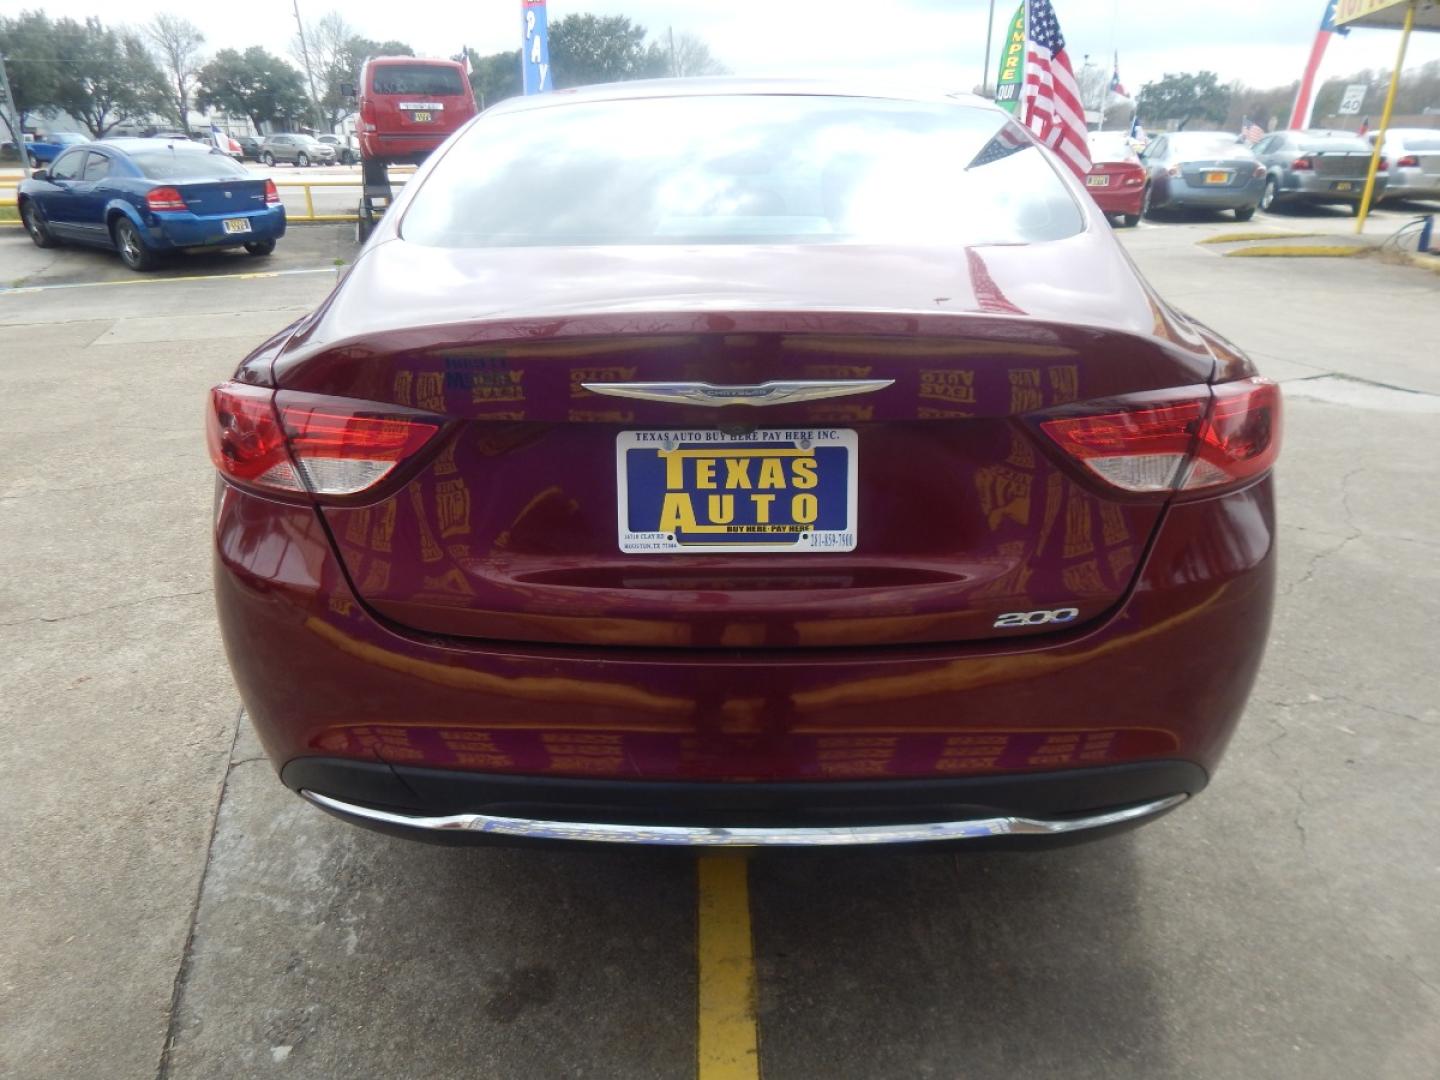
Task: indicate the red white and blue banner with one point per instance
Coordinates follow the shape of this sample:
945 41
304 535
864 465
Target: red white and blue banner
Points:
1305 97
535 47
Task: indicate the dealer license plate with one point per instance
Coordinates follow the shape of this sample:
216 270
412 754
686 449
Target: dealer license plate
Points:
700 491
1098 181
1343 185
1217 178
236 225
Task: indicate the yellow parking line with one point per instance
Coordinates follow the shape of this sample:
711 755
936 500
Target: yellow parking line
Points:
729 1041
252 276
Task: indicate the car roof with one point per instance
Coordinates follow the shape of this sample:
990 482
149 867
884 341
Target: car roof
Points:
126 143
723 85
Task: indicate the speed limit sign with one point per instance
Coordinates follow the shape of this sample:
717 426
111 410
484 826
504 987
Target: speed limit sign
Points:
1354 99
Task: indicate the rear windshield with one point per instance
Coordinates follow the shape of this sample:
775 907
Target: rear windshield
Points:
1210 146
420 79
1336 146
1422 143
1111 146
743 169
162 163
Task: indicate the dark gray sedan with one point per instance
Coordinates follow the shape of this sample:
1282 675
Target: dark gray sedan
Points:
1203 169
1316 167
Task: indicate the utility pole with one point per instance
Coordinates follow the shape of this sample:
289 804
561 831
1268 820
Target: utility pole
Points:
989 36
12 120
674 64
309 72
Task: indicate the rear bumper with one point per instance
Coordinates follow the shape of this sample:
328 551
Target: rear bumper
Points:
400 149
1218 198
180 230
1310 187
1412 184
1124 200
976 828
338 695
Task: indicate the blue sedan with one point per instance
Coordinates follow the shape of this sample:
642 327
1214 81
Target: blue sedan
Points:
146 197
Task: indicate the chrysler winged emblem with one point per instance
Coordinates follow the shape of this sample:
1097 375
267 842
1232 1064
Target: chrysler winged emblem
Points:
775 392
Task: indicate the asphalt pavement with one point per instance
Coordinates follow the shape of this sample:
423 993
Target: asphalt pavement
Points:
172 911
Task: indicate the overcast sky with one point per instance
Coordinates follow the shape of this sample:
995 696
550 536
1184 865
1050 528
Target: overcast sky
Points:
938 43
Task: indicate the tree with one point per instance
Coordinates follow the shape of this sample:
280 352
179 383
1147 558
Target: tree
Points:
690 56
177 47
107 77
588 49
28 44
343 69
494 77
256 83
1183 98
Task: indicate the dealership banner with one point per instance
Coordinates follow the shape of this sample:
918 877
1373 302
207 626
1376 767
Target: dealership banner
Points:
1012 64
535 48
1350 10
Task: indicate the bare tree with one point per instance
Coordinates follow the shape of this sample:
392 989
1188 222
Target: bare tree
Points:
689 55
328 41
176 43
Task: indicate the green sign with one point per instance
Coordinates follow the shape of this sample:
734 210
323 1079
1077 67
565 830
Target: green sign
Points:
1012 64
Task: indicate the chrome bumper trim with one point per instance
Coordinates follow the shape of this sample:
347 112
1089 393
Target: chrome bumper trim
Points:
699 836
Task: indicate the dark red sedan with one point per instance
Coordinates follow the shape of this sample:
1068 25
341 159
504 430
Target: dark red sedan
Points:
752 464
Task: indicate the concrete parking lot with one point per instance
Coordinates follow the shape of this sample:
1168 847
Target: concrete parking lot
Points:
172 911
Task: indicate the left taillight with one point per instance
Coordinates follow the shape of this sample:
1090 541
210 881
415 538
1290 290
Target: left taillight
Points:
271 195
165 198
1209 438
294 443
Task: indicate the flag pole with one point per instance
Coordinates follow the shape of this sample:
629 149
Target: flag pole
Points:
989 38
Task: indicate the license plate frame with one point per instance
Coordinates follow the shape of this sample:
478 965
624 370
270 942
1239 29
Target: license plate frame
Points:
1217 176
656 506
235 226
1097 181
425 117
1342 185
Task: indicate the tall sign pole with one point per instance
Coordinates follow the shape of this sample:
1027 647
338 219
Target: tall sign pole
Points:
989 36
535 48
309 71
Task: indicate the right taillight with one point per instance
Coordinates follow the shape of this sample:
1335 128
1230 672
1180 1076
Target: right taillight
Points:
1222 435
293 443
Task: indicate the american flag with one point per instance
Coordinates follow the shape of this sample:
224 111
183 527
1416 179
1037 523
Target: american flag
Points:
1051 99
1251 132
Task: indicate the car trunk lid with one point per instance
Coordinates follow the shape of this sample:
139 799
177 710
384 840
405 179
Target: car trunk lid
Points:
238 196
512 528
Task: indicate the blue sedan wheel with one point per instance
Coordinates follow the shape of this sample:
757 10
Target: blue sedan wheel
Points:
133 252
36 227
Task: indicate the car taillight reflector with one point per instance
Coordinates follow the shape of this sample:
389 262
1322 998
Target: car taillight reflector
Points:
292 442
271 195
1409 161
245 440
165 198
1303 164
1223 435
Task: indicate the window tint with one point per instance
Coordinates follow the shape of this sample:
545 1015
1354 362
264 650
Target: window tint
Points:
185 163
422 79
743 169
97 167
68 165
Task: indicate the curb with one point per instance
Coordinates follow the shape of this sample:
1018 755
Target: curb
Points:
1243 237
1298 251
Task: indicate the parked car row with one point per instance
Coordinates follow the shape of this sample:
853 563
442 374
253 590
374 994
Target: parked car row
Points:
1215 171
